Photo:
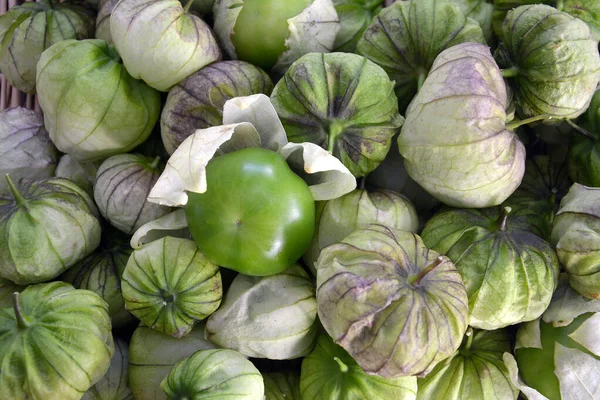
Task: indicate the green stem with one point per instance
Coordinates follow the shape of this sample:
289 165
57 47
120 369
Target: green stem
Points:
520 122
343 367
420 79
580 130
155 163
436 263
187 6
560 4
510 72
503 218
335 129
470 335
554 192
21 321
15 192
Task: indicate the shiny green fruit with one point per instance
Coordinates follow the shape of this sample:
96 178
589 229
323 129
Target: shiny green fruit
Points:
256 217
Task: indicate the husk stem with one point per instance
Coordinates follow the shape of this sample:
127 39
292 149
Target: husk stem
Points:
520 122
503 218
420 79
335 129
560 4
470 335
510 72
554 192
580 130
436 263
155 163
15 192
343 366
21 321
187 6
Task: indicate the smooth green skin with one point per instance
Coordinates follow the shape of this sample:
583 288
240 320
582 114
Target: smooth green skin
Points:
342 102
406 37
153 354
169 285
553 61
282 386
536 366
256 217
30 28
355 16
475 371
261 29
101 273
509 273
49 226
329 373
219 374
59 349
586 10
93 108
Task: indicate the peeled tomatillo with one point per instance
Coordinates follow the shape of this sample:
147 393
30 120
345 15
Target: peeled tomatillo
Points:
257 216
261 29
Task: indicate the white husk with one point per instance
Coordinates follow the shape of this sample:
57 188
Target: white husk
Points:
567 305
172 224
329 178
513 372
186 168
312 31
257 126
225 19
587 336
577 372
257 110
529 335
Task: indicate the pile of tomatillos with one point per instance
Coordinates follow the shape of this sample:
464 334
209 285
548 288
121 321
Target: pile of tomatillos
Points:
303 199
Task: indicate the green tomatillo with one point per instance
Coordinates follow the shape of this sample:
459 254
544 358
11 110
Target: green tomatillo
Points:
257 217
247 194
272 34
273 21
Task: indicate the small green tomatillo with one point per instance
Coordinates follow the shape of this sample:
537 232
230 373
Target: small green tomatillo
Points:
266 20
256 217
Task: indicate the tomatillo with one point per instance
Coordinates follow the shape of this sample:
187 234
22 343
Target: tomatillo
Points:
257 216
261 29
